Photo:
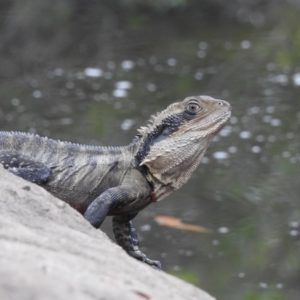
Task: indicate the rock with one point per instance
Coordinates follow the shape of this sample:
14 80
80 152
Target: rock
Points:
48 251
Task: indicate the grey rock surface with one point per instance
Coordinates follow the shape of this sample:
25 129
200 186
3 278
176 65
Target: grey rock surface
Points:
48 251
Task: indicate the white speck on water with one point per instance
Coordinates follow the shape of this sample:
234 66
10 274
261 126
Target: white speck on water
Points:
226 131
202 45
127 64
172 62
221 155
127 124
275 122
93 72
232 149
119 93
286 154
263 285
245 134
245 44
15 101
241 275
146 227
123 85
198 76
58 72
282 78
215 242
151 87
296 79
294 224
37 94
279 285
294 232
223 230
256 149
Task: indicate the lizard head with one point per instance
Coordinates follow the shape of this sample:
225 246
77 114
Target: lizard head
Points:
175 140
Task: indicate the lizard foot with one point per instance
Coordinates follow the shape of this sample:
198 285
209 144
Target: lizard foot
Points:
155 264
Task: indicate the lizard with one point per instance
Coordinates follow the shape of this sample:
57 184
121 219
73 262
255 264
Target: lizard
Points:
120 181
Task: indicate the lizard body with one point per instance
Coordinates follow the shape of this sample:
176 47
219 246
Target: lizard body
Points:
120 181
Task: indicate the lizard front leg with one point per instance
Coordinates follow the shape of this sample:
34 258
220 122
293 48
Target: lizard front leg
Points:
115 200
124 231
127 237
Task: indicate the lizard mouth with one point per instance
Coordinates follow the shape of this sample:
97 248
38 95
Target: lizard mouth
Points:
223 118
217 123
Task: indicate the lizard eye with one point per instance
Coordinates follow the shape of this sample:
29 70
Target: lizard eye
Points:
193 107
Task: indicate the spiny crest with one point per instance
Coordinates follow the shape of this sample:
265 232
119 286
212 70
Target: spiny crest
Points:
46 139
146 129
157 119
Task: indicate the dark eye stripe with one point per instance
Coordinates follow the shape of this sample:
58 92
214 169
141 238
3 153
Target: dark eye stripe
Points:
159 133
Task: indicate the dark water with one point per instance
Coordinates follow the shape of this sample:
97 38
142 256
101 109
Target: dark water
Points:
96 84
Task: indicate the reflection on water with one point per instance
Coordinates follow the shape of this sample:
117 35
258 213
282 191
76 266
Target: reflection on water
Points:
247 188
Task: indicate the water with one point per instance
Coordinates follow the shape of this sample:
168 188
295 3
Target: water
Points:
95 85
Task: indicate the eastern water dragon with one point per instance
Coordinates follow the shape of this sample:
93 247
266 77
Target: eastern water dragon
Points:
120 181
